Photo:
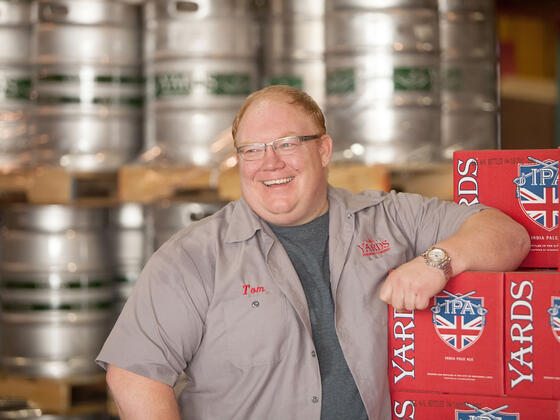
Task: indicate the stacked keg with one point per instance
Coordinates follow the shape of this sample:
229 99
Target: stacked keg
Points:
87 83
15 79
171 216
382 63
470 104
294 46
200 61
131 237
57 291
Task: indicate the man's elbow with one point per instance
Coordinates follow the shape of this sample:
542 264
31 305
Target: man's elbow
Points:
520 243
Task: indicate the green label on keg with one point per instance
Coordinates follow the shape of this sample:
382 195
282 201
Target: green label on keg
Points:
80 306
15 88
341 82
292 81
72 284
172 84
132 101
102 78
229 84
412 78
452 80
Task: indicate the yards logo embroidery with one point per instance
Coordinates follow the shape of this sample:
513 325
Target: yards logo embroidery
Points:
554 312
459 319
537 191
485 413
374 247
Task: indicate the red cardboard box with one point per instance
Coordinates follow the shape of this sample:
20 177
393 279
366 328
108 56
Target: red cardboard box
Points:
521 183
532 332
434 406
454 346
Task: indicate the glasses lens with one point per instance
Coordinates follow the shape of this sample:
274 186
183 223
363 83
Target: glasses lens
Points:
251 151
286 145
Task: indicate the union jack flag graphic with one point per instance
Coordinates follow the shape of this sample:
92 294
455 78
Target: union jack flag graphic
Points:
537 192
485 413
554 312
459 319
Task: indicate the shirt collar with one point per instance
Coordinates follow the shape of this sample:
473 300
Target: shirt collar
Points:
244 222
351 202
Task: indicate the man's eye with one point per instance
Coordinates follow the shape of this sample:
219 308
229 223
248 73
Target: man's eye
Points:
286 145
251 151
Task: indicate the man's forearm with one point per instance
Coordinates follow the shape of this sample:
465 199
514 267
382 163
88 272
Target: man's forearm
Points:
487 241
141 398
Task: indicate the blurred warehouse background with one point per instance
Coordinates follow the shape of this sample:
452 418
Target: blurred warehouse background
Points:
100 89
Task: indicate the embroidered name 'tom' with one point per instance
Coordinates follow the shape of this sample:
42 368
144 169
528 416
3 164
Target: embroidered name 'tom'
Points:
252 290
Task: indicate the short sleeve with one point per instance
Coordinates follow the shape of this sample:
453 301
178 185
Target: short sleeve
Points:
428 220
161 324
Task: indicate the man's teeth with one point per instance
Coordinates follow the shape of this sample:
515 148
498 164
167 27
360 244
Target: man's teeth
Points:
278 181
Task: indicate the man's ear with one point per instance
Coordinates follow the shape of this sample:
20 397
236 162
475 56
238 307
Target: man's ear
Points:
325 149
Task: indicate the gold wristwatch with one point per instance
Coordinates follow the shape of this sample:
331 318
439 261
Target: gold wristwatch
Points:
438 258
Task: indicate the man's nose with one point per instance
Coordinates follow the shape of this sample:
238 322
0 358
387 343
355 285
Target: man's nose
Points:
270 158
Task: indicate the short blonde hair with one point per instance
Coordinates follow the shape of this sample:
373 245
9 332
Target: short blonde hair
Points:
295 96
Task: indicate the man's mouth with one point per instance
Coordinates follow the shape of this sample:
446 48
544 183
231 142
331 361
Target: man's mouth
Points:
278 181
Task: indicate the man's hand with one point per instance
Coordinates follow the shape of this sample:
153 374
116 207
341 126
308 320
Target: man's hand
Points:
412 285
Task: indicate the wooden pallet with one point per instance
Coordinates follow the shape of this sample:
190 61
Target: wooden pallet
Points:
56 185
71 396
14 185
146 184
50 185
430 180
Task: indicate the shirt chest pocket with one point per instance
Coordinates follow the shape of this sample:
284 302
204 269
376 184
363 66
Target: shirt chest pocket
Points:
256 329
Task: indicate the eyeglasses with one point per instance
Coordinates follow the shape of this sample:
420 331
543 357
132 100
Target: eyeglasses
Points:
282 146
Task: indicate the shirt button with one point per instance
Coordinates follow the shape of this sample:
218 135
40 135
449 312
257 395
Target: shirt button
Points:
315 399
313 354
349 215
255 304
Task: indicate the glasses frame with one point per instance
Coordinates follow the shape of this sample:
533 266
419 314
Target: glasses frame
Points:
274 144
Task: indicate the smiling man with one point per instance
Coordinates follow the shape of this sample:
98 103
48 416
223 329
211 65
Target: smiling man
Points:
275 307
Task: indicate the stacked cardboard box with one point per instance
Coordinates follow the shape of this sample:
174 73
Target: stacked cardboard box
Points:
488 347
521 183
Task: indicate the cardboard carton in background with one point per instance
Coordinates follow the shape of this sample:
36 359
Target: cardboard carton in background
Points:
521 183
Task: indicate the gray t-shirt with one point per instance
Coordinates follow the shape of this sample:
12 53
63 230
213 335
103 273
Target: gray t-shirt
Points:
307 247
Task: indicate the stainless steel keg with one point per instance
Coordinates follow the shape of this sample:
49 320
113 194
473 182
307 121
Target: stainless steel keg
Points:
56 272
87 82
383 94
131 229
294 46
172 216
200 60
470 105
15 79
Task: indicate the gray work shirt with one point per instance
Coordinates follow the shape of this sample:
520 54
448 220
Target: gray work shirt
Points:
222 301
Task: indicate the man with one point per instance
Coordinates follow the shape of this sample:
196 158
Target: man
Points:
271 306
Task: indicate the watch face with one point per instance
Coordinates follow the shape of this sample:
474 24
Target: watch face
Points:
436 255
